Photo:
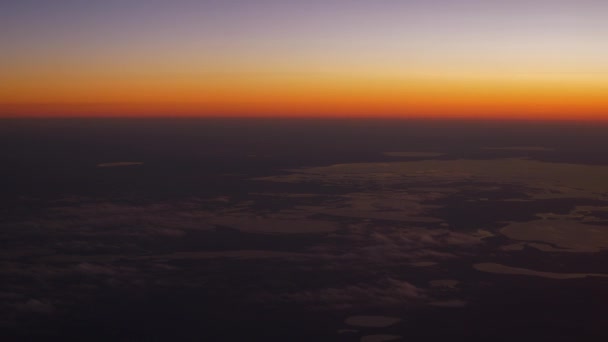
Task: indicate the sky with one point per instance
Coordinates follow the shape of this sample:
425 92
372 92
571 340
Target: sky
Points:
521 59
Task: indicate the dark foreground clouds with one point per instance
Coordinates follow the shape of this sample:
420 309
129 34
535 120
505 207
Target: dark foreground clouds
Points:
68 254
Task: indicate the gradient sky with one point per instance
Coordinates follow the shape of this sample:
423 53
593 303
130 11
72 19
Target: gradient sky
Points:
411 58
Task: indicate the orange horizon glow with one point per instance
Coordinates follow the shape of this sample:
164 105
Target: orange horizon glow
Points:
570 97
491 59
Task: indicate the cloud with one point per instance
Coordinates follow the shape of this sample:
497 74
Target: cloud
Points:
567 236
81 247
36 306
78 223
387 292
413 154
503 269
380 338
543 179
372 321
393 244
120 164
521 148
453 303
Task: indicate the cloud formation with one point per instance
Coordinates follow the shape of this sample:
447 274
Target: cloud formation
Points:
388 292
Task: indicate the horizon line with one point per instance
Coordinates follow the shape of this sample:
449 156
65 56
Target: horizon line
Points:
433 118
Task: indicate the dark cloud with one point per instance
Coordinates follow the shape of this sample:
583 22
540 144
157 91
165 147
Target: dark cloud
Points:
387 292
398 244
36 306
80 248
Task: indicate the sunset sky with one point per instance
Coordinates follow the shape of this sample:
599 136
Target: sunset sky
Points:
404 58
